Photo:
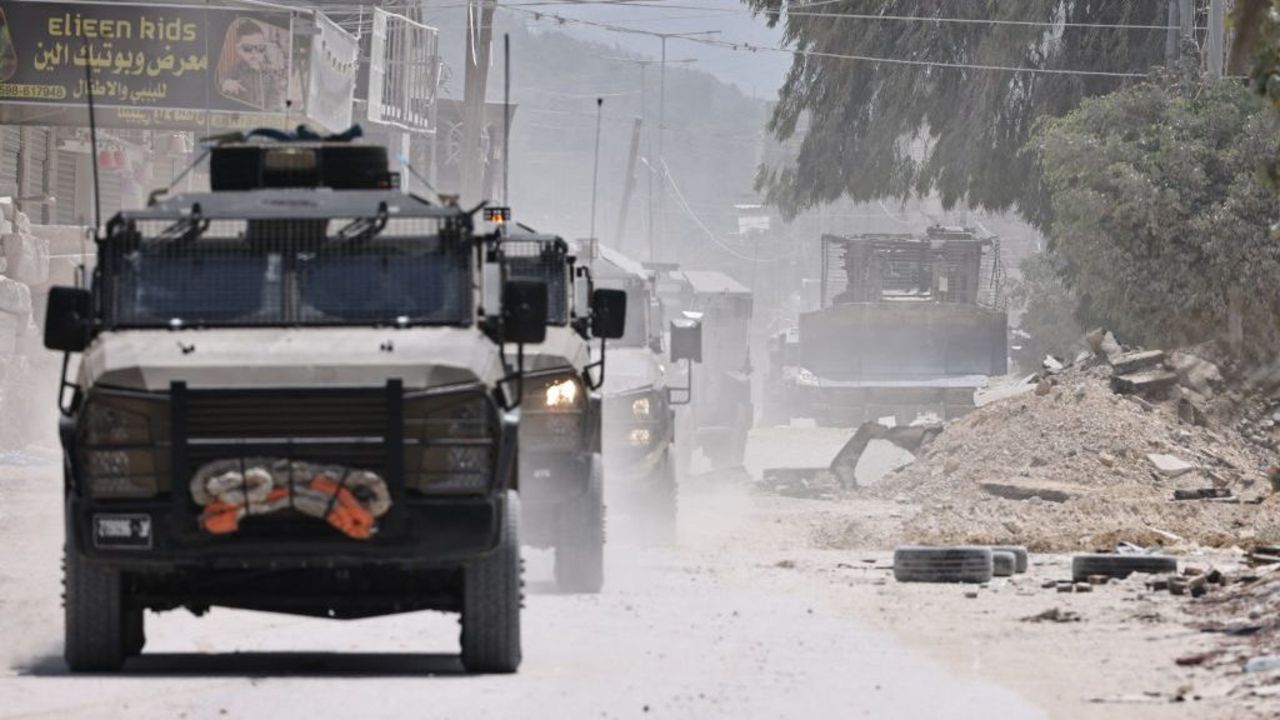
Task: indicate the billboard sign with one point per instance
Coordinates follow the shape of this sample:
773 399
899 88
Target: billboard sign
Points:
151 66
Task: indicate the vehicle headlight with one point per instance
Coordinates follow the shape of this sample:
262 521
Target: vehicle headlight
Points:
640 407
552 414
449 444
117 448
639 437
561 394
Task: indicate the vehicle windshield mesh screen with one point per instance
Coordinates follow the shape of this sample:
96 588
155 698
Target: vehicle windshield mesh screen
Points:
541 260
321 272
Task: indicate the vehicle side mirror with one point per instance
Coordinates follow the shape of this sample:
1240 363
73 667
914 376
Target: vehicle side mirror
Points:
68 319
524 311
686 340
609 314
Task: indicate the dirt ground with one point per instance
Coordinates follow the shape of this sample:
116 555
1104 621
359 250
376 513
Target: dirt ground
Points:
753 615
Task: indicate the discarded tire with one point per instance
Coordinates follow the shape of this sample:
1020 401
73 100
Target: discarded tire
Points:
1003 563
1019 555
1120 566
942 564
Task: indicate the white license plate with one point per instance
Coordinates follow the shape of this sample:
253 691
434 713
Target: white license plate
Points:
122 531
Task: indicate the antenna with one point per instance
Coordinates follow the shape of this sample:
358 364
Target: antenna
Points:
595 172
93 140
506 116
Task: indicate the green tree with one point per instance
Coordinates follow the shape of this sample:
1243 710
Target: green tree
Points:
1160 210
866 121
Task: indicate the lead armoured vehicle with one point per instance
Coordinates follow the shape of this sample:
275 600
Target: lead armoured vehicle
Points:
291 398
561 471
909 324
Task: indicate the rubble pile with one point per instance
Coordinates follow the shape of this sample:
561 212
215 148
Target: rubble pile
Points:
1119 446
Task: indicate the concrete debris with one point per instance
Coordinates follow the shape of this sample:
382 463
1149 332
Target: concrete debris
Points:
1170 466
1151 384
1027 491
1134 362
1052 364
1056 615
1075 466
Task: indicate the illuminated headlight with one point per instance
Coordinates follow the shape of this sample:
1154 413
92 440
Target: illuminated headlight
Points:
639 437
640 407
562 395
118 454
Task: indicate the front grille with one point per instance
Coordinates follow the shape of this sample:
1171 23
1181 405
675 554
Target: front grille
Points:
335 414
351 428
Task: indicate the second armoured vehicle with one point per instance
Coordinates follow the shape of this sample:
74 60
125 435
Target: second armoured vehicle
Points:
288 399
561 470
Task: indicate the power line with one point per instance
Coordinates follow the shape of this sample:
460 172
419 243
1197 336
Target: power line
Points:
745 46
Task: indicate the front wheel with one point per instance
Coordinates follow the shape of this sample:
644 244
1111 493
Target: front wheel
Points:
580 547
662 502
99 631
492 593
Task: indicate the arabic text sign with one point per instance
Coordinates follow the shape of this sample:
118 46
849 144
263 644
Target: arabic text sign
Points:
144 57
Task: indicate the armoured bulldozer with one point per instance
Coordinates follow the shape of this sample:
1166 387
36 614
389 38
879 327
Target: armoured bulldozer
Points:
909 324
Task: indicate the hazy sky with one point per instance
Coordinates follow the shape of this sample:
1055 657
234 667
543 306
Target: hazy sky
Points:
758 72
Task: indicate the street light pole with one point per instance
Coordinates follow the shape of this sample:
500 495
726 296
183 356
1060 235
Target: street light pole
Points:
648 139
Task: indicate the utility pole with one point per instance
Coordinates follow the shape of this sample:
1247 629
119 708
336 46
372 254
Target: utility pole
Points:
644 64
629 182
662 126
479 40
1216 47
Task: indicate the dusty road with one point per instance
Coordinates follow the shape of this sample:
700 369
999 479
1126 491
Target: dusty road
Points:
746 619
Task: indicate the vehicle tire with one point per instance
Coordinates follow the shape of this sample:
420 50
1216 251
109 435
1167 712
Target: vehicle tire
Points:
95 616
662 503
492 593
943 564
1120 566
134 632
1020 555
1003 564
580 547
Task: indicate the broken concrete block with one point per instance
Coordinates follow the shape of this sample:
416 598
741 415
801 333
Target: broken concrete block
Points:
1093 339
1196 373
15 297
1149 384
1170 466
1028 490
1109 346
1137 361
26 258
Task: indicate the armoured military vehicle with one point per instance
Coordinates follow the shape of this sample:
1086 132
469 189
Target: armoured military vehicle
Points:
639 401
561 470
909 324
292 396
722 409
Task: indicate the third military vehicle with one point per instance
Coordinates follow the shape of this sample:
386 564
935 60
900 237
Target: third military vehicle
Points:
640 404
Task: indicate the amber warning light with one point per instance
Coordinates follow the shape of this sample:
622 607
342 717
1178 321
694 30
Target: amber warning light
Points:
497 215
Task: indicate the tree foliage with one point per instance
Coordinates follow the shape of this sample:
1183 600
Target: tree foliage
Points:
867 121
1160 209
